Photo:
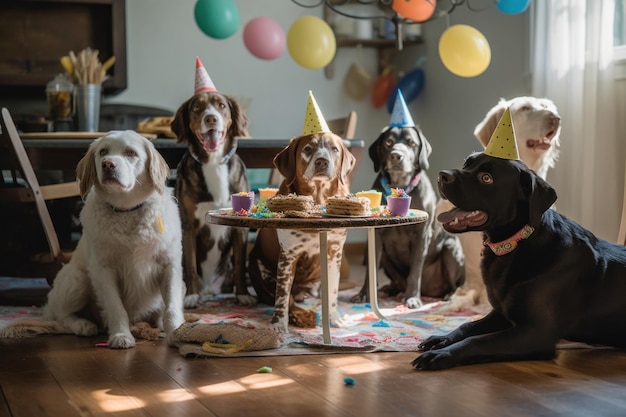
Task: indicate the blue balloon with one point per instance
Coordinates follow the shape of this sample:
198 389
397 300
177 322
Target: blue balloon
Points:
410 84
512 6
218 19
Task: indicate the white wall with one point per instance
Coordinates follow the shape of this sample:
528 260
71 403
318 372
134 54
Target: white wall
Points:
163 41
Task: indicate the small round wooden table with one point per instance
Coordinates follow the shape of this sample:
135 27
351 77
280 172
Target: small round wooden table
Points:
322 225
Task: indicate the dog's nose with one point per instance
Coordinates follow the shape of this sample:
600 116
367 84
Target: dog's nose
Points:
210 119
321 163
108 164
445 177
550 127
395 157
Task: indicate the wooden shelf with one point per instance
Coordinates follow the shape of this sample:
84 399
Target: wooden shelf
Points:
35 34
385 48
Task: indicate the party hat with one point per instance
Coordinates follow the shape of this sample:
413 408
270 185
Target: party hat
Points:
202 81
314 121
400 116
502 143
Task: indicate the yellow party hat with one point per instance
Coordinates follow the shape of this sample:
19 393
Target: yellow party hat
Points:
314 121
502 143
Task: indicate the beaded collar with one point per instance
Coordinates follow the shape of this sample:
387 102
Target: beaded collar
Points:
508 245
384 182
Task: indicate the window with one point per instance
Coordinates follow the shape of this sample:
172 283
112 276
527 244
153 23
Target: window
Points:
619 31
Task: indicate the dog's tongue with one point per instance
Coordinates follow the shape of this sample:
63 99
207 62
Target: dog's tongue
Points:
212 140
459 220
449 216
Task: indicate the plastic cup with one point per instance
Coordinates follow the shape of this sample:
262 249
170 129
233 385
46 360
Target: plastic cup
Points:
373 196
265 193
399 206
242 201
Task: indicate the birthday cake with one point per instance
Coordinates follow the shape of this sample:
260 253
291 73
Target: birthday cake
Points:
290 202
348 206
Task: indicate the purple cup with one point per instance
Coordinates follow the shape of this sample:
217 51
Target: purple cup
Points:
242 202
399 206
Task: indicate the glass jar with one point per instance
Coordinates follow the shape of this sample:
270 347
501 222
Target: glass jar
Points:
59 94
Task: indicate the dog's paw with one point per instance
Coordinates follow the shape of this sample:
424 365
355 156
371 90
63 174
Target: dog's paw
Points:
280 327
434 359
81 327
413 302
358 298
171 339
191 300
337 321
246 300
121 341
434 342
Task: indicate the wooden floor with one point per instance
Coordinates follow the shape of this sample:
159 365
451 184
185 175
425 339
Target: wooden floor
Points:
66 376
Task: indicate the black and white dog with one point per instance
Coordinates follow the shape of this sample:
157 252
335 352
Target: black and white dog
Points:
420 259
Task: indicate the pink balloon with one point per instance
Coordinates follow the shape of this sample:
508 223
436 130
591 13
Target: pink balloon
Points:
264 38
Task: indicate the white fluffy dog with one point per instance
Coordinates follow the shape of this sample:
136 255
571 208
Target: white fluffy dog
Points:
537 127
129 257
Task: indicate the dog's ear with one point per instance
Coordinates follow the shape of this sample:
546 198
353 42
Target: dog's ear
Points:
86 170
485 129
425 149
285 161
540 195
239 125
157 168
374 149
348 161
180 124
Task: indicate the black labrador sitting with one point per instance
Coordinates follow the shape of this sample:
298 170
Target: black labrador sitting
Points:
420 259
547 277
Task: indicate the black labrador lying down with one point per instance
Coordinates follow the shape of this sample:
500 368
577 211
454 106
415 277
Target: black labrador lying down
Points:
547 277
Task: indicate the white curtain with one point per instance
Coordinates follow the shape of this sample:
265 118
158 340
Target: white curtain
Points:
572 64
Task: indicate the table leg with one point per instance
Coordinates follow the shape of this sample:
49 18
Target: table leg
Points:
372 271
324 284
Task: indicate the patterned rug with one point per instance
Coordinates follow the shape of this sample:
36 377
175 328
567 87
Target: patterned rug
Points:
223 328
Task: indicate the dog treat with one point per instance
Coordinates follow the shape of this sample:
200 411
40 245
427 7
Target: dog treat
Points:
349 205
398 202
290 202
373 196
242 201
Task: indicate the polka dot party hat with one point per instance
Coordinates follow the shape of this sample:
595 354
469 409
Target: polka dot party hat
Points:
502 143
400 115
314 121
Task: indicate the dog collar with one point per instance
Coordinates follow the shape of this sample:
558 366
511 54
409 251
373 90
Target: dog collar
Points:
508 245
384 182
225 159
121 210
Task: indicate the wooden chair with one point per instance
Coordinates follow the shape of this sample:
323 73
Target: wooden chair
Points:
342 126
22 203
621 236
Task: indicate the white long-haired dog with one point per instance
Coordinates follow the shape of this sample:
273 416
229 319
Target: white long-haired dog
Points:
127 266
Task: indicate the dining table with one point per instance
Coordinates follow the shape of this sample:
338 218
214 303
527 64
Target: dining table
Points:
63 150
322 224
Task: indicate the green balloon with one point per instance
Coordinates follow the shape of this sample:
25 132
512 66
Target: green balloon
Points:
218 19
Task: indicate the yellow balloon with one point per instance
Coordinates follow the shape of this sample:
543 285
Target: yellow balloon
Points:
464 51
311 42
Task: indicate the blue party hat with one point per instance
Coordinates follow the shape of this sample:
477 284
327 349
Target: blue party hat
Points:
400 116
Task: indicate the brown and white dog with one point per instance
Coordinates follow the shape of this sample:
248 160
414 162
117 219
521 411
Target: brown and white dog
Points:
537 127
284 265
208 173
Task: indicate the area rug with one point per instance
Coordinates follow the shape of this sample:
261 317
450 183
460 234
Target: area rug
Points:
227 329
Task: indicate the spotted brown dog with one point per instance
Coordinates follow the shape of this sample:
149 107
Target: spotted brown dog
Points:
284 265
208 173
